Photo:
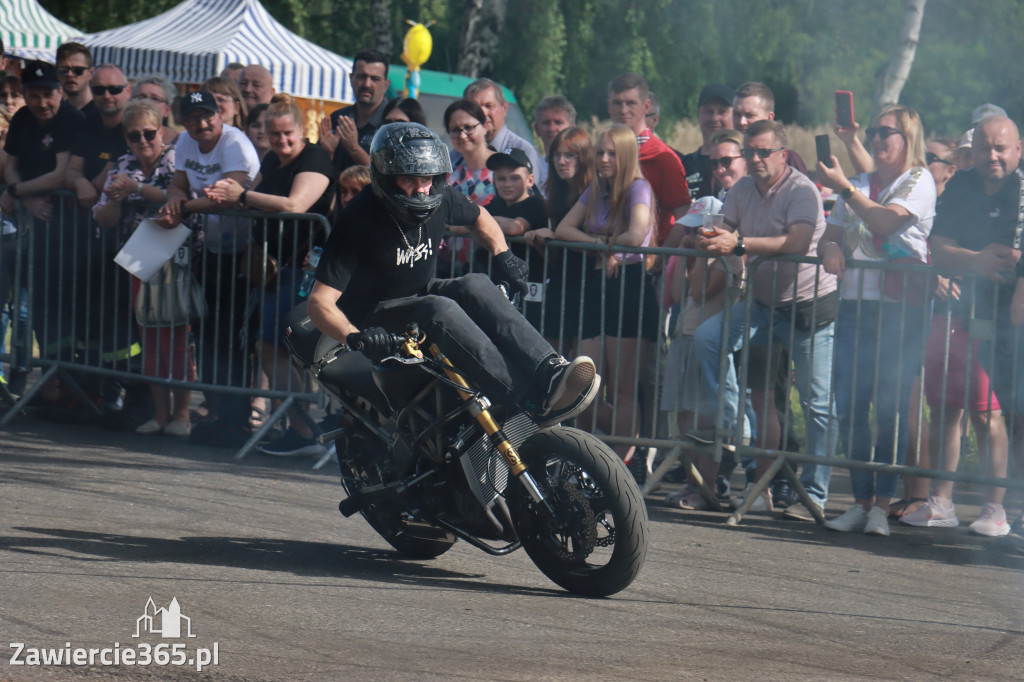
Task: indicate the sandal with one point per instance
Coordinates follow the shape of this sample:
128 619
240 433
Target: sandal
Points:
900 507
688 498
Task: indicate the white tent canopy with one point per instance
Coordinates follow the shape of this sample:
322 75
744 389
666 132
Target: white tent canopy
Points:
198 38
30 32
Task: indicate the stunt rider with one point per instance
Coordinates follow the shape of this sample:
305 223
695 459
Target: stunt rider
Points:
387 239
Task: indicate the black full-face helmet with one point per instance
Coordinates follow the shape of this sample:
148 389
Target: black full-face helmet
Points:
409 149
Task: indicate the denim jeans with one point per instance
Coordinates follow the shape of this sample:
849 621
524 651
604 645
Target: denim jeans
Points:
474 324
880 349
811 352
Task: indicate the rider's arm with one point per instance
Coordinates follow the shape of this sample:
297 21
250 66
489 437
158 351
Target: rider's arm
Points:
325 313
487 232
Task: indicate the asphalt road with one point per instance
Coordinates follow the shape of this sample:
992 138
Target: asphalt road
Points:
96 523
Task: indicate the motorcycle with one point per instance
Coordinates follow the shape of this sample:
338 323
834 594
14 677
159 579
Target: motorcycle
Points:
427 460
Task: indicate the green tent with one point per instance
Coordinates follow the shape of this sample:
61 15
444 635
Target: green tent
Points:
30 32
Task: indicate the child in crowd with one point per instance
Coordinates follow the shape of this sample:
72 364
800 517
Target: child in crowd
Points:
351 181
518 210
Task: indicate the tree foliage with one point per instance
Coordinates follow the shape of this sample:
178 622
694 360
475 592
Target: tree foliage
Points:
969 53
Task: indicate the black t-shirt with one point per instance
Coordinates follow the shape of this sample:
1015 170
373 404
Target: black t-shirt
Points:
698 174
98 145
342 160
36 147
385 261
532 210
278 180
973 219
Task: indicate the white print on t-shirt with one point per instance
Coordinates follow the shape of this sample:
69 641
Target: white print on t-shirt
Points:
411 254
202 168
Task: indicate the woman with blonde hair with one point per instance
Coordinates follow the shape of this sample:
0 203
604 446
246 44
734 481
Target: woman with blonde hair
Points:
882 216
620 311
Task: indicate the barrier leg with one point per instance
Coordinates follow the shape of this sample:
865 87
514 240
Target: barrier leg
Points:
276 416
77 390
811 506
27 397
759 487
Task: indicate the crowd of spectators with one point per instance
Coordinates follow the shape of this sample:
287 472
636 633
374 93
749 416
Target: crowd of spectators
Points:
861 344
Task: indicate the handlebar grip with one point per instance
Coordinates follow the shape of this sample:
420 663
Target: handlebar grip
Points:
355 341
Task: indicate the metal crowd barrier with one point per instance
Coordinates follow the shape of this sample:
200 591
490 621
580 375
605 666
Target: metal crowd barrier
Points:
86 329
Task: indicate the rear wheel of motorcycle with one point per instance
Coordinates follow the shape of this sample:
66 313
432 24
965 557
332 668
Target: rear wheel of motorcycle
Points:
597 542
387 521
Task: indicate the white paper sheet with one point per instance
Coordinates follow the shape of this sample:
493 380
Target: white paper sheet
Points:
149 247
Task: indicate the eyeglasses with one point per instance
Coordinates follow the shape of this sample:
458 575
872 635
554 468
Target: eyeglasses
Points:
77 70
100 90
464 130
930 158
883 132
749 154
154 98
136 136
726 161
565 156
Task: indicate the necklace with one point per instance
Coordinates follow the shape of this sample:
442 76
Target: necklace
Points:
401 232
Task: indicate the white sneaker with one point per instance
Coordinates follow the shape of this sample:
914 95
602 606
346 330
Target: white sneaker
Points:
991 521
935 513
877 522
852 519
763 503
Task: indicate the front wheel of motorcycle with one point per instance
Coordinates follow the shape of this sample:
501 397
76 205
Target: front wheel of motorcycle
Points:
596 542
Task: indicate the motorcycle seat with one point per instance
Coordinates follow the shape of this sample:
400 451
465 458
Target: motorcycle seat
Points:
351 373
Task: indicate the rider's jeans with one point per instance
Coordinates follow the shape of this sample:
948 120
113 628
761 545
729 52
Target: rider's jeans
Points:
812 359
477 328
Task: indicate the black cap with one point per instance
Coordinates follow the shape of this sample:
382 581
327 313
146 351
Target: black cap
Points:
198 100
510 158
716 91
39 74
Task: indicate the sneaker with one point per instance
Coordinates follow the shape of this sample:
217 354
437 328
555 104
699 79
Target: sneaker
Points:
991 521
688 498
853 519
763 503
572 388
877 522
800 512
783 494
178 429
936 513
723 488
150 428
291 444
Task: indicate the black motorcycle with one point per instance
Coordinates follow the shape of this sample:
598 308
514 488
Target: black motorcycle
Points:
427 459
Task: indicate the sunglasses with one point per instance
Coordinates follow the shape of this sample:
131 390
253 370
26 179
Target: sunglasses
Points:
100 90
136 136
464 130
749 154
930 158
77 70
883 133
726 161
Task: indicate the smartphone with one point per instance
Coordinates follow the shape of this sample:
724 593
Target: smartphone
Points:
824 148
844 108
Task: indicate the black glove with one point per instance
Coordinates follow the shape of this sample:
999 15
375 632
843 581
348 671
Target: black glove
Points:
512 270
373 342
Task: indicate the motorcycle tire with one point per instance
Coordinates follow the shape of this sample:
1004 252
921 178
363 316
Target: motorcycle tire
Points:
597 542
387 521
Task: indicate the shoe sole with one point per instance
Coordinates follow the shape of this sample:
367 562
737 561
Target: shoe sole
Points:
574 409
931 523
578 376
1002 532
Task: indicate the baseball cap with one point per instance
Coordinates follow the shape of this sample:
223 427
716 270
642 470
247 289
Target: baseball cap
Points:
985 110
716 91
39 74
510 157
198 100
968 139
698 209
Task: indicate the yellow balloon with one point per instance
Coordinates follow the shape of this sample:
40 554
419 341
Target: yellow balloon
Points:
417 46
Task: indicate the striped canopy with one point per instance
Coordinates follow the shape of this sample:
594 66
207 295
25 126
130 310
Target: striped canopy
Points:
198 38
30 32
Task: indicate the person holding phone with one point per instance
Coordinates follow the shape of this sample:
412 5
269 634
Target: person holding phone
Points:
883 216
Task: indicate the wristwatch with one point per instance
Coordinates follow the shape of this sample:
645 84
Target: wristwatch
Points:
846 192
241 197
739 249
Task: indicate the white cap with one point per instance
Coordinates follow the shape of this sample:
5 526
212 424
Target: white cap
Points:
698 209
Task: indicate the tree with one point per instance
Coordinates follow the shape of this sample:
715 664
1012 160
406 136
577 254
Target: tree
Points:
482 25
891 79
380 15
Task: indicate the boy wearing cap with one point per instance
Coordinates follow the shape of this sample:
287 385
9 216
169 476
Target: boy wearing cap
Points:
519 211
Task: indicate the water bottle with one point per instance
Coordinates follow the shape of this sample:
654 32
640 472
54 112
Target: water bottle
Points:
307 281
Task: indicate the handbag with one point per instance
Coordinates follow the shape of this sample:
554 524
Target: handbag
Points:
171 299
